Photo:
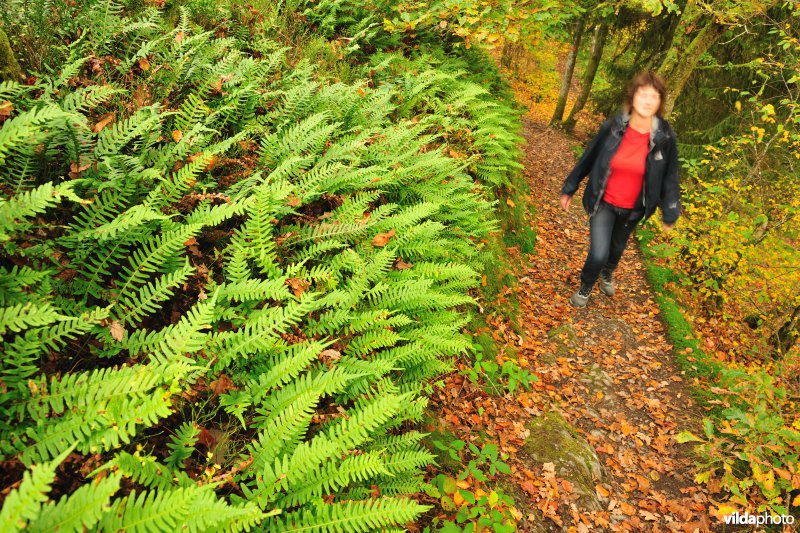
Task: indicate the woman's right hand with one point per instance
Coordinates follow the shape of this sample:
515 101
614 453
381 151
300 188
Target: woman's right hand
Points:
566 199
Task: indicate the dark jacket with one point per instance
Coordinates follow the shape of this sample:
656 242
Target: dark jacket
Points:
661 187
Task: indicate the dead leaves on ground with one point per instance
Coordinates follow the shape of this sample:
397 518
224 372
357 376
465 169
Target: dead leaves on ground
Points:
630 421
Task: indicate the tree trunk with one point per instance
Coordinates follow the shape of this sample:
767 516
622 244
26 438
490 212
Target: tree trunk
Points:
566 81
789 332
677 67
598 42
9 68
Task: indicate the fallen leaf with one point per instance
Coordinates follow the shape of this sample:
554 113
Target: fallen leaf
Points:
179 36
208 438
330 355
401 265
222 385
103 122
298 285
602 491
510 203
177 135
144 64
117 331
381 239
5 109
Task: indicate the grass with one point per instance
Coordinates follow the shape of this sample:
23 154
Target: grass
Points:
688 352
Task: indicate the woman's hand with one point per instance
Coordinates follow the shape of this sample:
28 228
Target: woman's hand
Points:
566 199
667 227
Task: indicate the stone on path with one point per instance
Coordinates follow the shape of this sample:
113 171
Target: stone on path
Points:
554 440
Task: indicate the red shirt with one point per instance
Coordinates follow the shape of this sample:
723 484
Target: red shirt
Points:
627 169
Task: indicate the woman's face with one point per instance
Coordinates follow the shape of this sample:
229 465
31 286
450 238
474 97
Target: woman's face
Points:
646 101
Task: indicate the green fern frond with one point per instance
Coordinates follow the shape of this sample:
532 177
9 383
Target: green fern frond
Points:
182 445
370 515
80 510
24 503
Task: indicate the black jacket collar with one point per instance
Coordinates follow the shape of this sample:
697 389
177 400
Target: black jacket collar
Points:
659 128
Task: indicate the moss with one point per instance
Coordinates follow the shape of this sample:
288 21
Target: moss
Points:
565 336
679 331
554 440
9 68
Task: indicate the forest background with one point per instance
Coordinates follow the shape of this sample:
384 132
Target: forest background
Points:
242 242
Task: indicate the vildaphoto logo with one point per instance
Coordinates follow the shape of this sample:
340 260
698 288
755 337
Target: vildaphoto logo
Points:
758 519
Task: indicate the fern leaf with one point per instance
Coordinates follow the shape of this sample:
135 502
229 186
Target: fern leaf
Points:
24 503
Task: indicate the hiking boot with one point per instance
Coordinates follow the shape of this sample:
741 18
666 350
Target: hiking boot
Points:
580 298
607 283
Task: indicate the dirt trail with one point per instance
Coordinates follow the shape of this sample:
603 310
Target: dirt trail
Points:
608 369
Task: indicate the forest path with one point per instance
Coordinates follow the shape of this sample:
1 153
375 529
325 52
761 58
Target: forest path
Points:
608 369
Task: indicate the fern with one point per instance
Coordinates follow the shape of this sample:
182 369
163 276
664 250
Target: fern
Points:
145 469
368 515
24 503
31 202
182 445
79 511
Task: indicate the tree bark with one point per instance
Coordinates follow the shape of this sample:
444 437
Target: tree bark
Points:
598 42
677 67
569 69
9 68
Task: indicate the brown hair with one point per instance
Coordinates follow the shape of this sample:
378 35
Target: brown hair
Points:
644 79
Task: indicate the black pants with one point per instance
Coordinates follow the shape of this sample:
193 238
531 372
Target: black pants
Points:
609 230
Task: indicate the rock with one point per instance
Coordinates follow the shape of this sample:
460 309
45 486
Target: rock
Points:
554 440
597 381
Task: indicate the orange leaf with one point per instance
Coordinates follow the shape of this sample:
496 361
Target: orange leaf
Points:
381 239
401 265
627 508
510 203
566 485
602 491
222 385
190 241
144 64
529 487
483 281
5 109
104 121
177 135
179 36
361 91
298 285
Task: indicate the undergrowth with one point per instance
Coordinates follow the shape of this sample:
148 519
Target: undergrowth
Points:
238 242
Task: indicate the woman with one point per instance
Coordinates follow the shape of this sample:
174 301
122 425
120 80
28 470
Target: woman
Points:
632 164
